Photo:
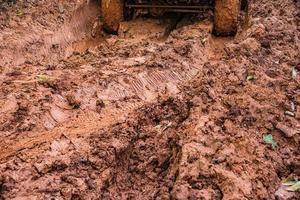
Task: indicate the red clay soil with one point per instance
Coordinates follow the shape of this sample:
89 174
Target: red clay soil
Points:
87 115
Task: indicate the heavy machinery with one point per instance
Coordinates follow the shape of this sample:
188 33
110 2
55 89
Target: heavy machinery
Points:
225 11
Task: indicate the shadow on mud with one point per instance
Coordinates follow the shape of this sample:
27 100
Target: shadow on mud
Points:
5 4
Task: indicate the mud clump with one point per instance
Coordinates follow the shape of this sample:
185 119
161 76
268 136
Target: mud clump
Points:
144 153
134 159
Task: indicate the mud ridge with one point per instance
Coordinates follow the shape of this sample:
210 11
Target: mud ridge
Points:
132 159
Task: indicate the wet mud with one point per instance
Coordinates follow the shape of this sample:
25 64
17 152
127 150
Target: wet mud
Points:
163 110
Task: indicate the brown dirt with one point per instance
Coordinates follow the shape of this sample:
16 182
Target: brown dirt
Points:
86 115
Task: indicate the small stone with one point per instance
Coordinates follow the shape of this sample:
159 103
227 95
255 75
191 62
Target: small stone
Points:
289 132
58 114
289 113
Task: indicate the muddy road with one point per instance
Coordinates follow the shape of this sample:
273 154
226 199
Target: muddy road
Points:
156 112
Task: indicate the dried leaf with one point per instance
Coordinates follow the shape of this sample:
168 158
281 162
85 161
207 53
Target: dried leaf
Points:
289 183
19 12
249 78
294 72
288 179
295 187
43 78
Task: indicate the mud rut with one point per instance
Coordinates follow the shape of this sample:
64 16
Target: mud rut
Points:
127 116
136 68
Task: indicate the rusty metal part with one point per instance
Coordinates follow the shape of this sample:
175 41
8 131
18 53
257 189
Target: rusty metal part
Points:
173 8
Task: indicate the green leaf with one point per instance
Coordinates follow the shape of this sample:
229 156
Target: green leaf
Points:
295 187
42 78
269 140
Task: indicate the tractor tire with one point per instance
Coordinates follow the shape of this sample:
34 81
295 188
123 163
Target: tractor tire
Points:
226 17
112 13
